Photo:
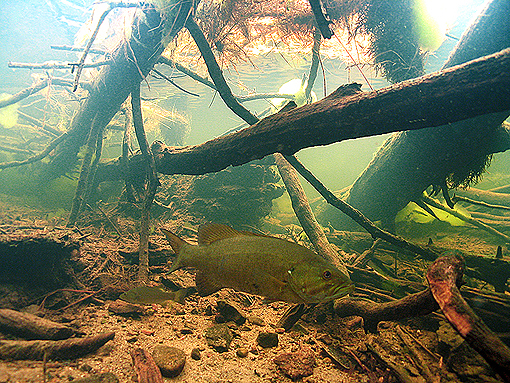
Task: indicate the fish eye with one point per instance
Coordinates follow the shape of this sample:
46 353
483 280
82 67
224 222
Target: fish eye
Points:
326 274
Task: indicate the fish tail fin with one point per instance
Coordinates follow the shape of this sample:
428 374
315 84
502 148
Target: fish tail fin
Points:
177 244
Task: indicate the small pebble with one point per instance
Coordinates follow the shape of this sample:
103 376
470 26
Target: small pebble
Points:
195 354
228 313
256 320
267 339
219 337
296 364
242 352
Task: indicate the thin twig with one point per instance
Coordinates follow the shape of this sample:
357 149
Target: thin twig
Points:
15 150
153 183
84 298
195 76
472 221
315 63
83 182
108 218
165 77
57 65
457 198
52 145
81 63
356 215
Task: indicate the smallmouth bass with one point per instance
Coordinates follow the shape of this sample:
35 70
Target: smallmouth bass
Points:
274 268
147 295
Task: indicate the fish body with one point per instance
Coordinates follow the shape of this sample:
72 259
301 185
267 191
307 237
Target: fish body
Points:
147 295
262 265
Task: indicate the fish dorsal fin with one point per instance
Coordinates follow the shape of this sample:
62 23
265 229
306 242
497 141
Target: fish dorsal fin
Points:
204 285
212 232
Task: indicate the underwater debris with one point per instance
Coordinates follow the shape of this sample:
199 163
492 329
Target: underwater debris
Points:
52 349
31 326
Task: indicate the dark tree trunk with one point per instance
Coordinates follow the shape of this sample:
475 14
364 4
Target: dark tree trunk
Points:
132 60
408 162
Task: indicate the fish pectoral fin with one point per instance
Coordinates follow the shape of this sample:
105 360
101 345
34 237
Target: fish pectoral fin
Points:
204 285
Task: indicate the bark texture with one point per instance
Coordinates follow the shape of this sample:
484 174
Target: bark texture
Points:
432 100
132 60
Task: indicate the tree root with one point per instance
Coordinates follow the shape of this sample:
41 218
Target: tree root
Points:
443 276
50 349
31 326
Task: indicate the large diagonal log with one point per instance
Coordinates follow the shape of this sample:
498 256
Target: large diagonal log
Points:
469 90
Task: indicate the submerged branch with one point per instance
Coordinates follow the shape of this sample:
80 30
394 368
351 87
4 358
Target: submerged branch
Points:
57 65
443 278
428 101
217 74
152 184
465 218
357 216
52 349
39 85
81 63
457 198
210 84
52 145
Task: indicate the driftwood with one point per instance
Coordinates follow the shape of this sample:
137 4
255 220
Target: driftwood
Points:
408 162
30 326
304 213
443 281
413 305
146 369
52 349
482 84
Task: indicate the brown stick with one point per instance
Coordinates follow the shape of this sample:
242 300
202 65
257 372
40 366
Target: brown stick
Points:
413 305
30 326
54 349
152 184
304 213
52 145
443 280
146 369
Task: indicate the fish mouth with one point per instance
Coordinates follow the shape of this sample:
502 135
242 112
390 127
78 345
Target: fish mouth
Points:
325 296
341 291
